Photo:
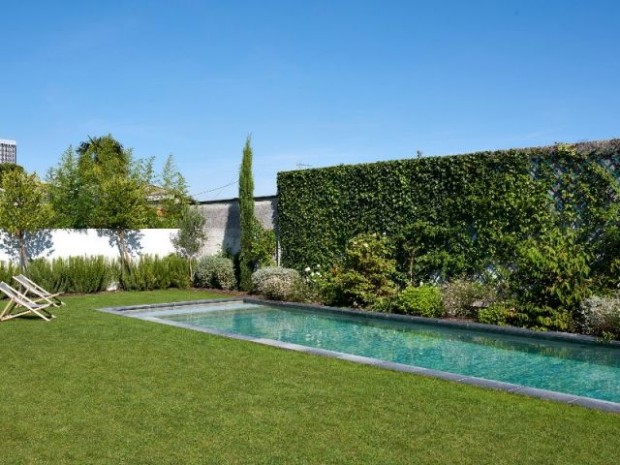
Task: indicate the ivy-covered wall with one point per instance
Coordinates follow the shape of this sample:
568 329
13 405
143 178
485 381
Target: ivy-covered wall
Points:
460 213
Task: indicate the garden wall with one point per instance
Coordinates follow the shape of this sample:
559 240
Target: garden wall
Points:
89 242
459 213
223 222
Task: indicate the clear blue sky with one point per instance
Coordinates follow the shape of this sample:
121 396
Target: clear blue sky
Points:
317 82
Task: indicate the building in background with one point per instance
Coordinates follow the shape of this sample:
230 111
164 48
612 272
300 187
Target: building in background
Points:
8 151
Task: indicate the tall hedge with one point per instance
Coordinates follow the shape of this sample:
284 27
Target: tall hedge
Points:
472 208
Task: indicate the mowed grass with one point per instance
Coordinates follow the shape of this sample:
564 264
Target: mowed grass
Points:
94 388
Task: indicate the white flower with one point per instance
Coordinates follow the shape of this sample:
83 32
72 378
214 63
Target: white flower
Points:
307 269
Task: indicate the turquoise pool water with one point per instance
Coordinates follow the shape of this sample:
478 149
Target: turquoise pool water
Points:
581 369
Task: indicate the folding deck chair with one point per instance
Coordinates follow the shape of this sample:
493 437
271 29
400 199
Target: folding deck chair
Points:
19 305
27 286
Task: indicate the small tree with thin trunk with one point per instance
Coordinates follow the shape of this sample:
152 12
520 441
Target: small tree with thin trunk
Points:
191 236
246 212
23 210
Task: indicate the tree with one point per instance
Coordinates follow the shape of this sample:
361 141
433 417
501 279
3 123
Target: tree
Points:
246 212
103 187
23 210
71 197
191 236
123 208
7 168
174 200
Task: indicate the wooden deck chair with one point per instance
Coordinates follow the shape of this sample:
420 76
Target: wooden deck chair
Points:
19 305
27 286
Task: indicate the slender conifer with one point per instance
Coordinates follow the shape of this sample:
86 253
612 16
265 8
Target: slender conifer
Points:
246 210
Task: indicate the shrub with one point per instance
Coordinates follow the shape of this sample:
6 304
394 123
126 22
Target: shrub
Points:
495 314
178 271
542 318
601 316
72 274
315 285
366 273
88 275
552 270
153 272
423 300
49 274
7 271
215 272
457 296
276 283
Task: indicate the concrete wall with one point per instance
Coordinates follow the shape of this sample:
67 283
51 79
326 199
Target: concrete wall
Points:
90 242
222 221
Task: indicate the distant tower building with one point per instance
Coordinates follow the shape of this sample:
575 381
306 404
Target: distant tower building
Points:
8 151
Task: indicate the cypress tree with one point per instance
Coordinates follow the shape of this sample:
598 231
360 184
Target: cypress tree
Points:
246 211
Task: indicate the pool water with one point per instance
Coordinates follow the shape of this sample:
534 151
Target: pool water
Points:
587 370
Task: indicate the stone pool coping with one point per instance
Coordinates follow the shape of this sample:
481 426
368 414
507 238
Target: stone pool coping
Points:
144 312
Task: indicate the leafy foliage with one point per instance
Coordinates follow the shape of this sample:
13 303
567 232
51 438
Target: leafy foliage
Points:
23 210
173 202
9 167
263 248
496 314
154 272
551 271
456 214
366 273
73 274
543 223
101 185
7 271
423 300
191 235
88 187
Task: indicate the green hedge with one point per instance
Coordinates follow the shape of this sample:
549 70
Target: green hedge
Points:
456 215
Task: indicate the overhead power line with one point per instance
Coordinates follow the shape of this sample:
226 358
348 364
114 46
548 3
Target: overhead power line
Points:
232 183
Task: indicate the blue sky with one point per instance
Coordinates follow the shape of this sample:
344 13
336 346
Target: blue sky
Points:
316 83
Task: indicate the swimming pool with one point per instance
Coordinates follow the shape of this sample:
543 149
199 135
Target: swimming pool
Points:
566 368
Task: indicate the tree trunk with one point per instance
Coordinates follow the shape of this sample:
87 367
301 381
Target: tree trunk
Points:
122 248
23 255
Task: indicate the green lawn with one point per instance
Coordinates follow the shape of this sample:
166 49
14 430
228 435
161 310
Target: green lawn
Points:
94 388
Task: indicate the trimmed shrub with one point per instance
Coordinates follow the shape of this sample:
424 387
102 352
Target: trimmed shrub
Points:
423 300
215 272
601 316
276 283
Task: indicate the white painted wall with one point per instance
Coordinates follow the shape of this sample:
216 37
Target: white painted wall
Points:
89 242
